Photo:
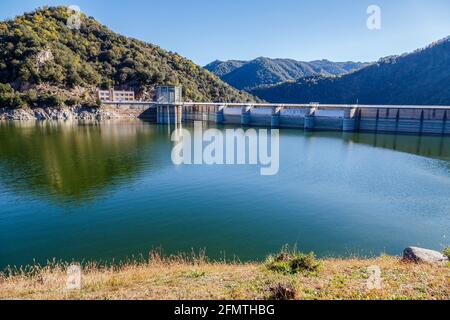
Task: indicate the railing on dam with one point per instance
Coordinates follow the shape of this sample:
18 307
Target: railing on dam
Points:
366 118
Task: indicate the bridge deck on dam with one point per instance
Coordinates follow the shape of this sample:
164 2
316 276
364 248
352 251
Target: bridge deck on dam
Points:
364 118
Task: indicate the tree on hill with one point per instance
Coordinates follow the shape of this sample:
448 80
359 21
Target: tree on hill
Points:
39 49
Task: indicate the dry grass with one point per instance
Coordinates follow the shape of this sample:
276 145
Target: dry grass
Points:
187 279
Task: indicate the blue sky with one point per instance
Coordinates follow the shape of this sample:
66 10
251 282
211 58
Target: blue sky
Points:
205 30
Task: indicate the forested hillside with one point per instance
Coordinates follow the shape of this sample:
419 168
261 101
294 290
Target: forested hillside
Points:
261 72
42 61
418 78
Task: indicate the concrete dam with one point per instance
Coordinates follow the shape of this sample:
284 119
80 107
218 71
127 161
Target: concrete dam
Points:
433 120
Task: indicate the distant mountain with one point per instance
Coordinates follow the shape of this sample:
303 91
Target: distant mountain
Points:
44 62
222 68
418 78
247 75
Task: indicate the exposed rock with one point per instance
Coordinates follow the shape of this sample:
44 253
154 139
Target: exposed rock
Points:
43 57
418 255
64 114
16 114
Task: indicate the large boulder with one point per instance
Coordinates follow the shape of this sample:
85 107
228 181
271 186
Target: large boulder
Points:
418 255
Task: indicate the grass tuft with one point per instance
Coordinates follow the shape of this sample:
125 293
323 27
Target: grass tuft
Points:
194 274
292 262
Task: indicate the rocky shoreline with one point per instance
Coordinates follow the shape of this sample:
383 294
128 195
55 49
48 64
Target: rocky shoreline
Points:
66 113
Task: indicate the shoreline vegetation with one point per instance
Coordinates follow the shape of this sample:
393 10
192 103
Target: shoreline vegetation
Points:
288 275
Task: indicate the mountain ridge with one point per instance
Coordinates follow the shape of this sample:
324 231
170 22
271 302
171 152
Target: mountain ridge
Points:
262 71
421 77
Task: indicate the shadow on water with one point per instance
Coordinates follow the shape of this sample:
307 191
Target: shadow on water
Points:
72 161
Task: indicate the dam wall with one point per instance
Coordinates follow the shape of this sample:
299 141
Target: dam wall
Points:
388 119
425 120
404 120
199 113
142 110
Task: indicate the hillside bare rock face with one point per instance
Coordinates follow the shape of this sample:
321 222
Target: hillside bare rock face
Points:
420 255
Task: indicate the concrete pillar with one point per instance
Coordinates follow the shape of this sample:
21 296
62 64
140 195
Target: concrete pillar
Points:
377 120
246 116
422 120
169 114
178 110
158 115
309 122
310 118
444 123
275 119
220 117
184 114
349 123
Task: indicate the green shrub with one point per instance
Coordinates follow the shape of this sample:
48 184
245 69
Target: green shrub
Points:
17 102
55 101
278 266
446 252
9 98
71 102
292 262
304 262
194 274
50 101
31 98
98 103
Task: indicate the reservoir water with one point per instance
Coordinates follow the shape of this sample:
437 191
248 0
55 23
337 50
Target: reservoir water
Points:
103 191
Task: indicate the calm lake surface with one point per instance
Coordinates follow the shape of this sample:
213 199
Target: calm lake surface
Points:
109 191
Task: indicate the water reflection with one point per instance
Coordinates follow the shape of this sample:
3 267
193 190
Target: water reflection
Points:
335 194
71 161
75 161
437 147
